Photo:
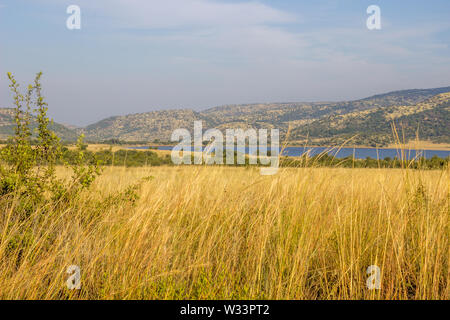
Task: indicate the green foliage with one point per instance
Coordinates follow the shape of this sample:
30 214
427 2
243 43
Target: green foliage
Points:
325 160
126 158
27 171
84 174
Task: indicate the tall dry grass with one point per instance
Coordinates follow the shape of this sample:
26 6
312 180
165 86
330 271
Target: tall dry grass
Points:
229 233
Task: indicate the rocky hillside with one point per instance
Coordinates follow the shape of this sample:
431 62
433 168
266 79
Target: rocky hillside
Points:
430 119
148 126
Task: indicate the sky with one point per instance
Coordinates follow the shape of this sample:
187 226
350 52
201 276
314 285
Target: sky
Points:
133 56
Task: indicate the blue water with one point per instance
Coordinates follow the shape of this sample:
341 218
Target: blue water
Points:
358 153
363 153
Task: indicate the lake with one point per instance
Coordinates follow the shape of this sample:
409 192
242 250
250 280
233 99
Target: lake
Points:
359 153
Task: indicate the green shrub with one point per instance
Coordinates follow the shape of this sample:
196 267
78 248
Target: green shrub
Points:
27 170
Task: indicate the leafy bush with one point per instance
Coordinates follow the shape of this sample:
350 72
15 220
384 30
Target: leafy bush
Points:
27 170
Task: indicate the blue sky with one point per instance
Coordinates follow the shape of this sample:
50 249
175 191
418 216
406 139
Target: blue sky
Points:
135 56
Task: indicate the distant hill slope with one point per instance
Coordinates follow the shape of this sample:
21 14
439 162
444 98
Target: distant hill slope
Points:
148 126
406 97
321 123
367 121
7 126
429 118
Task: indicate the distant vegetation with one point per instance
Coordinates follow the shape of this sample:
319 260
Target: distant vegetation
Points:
135 158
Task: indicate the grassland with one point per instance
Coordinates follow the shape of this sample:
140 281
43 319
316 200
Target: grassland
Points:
229 233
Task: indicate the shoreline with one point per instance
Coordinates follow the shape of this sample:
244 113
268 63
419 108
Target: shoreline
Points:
404 147
401 147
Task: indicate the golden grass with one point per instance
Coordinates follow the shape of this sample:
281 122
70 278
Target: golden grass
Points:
229 233
96 147
114 148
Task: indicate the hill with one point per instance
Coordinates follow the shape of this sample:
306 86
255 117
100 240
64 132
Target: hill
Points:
429 119
322 123
150 126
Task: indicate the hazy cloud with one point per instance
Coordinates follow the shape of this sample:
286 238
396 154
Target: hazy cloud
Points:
188 13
